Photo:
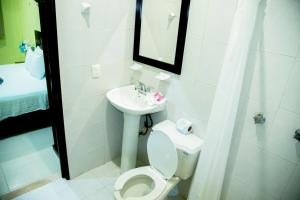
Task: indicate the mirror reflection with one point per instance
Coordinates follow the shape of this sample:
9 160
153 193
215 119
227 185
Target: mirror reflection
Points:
159 29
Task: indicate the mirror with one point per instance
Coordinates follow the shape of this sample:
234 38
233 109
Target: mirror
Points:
160 31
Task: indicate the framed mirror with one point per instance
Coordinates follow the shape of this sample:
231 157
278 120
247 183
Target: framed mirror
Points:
160 31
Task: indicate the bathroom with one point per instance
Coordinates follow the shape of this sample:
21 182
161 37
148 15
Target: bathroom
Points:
96 54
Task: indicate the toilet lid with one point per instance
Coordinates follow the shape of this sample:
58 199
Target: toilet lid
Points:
162 154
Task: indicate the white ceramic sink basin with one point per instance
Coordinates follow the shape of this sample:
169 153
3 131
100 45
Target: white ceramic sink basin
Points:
128 101
133 105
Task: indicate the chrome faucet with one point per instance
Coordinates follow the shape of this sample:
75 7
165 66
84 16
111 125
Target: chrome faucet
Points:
259 118
141 87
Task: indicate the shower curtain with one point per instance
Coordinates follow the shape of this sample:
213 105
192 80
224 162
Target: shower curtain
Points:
210 171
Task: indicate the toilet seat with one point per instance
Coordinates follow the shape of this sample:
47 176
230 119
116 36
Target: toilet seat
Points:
159 183
162 154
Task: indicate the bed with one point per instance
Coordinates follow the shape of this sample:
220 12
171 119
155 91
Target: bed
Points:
20 93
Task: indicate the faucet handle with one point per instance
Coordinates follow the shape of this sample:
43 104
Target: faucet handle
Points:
137 85
149 89
142 87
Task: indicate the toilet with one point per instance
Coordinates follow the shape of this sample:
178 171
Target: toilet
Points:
172 157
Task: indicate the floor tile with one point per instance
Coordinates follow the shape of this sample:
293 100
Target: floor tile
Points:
96 184
27 158
14 147
57 190
3 185
24 144
101 194
40 139
30 168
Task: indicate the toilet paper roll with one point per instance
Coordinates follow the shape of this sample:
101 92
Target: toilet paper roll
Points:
184 126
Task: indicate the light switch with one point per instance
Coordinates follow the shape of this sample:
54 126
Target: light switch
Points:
96 71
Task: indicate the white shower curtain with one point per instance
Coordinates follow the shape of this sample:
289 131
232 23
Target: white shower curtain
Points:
210 171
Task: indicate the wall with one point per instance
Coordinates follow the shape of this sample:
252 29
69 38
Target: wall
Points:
265 159
9 51
191 94
30 19
93 127
21 18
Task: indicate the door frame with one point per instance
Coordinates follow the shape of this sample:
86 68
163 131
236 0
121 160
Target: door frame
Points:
50 47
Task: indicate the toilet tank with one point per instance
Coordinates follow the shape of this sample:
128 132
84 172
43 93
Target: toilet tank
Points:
188 148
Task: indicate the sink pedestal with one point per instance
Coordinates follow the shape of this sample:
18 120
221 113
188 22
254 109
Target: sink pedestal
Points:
130 141
126 100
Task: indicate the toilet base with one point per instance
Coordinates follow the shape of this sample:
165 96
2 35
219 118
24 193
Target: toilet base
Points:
170 185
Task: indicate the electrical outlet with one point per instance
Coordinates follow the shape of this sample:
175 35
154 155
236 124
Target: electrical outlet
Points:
96 71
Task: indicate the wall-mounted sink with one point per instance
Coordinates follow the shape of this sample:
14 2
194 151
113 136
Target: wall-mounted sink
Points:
128 100
133 104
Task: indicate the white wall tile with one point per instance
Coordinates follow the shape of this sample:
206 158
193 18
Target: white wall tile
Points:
292 191
103 37
258 133
112 125
237 190
282 142
211 62
198 18
191 58
298 55
247 155
270 77
291 99
85 141
281 27
86 47
266 154
265 174
219 20
115 11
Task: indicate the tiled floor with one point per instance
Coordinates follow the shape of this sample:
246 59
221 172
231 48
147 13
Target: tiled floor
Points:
26 158
56 190
96 184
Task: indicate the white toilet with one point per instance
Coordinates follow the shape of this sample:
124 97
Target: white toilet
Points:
172 156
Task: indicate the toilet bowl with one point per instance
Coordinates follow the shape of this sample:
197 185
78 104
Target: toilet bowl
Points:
172 157
142 183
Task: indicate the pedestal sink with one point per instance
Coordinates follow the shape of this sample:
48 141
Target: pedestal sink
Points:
133 105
